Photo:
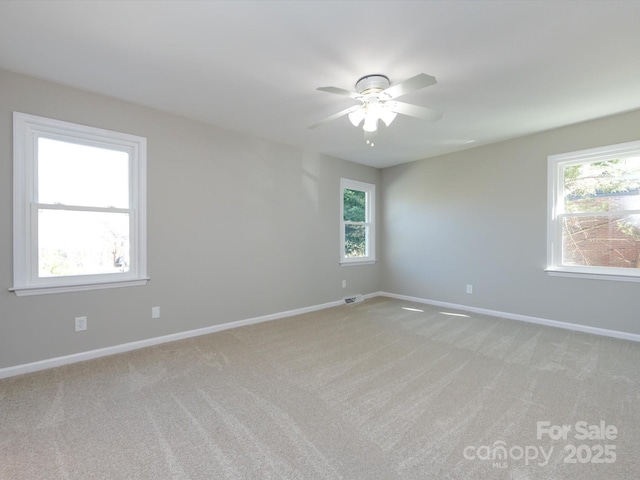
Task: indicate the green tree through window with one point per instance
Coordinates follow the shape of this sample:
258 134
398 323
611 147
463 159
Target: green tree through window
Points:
357 222
355 211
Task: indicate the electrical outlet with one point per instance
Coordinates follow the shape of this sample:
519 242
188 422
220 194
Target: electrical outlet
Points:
155 312
344 284
469 288
81 324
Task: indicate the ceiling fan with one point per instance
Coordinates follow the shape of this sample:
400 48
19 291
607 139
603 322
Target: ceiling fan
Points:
377 102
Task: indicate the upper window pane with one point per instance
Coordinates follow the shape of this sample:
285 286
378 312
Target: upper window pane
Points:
355 205
610 185
77 174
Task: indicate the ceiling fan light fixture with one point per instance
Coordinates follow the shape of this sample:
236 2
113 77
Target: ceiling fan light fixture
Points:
370 123
377 97
388 116
357 117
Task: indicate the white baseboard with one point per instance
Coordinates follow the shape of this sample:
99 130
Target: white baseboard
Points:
634 337
126 347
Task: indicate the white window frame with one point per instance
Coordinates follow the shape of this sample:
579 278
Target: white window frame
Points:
555 163
369 223
27 130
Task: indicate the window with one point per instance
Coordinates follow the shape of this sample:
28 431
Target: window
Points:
594 213
79 207
357 226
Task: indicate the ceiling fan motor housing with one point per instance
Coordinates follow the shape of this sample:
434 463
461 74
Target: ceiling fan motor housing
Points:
372 84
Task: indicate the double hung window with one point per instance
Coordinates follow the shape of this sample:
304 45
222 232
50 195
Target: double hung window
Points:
357 224
79 207
594 212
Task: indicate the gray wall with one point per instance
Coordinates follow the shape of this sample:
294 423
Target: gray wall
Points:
479 217
238 227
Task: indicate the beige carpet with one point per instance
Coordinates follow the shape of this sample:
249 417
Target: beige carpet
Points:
365 391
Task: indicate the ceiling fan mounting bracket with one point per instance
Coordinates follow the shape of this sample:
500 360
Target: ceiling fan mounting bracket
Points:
372 84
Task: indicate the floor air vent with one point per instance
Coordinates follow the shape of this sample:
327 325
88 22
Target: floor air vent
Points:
356 299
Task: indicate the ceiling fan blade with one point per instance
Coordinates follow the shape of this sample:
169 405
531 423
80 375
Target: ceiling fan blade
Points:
342 113
410 85
415 111
340 91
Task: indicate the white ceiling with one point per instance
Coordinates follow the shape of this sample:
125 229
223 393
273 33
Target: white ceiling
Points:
504 68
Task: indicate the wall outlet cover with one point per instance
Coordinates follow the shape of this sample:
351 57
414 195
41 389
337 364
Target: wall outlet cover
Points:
81 324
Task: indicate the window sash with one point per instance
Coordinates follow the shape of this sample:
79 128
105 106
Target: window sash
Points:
133 181
34 261
367 228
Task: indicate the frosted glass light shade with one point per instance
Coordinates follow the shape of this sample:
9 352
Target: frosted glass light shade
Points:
356 117
388 116
370 123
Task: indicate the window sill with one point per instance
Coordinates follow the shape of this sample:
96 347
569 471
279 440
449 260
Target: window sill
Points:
352 263
47 289
592 276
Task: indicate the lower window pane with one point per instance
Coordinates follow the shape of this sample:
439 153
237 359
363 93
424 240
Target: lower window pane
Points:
82 243
601 241
355 241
